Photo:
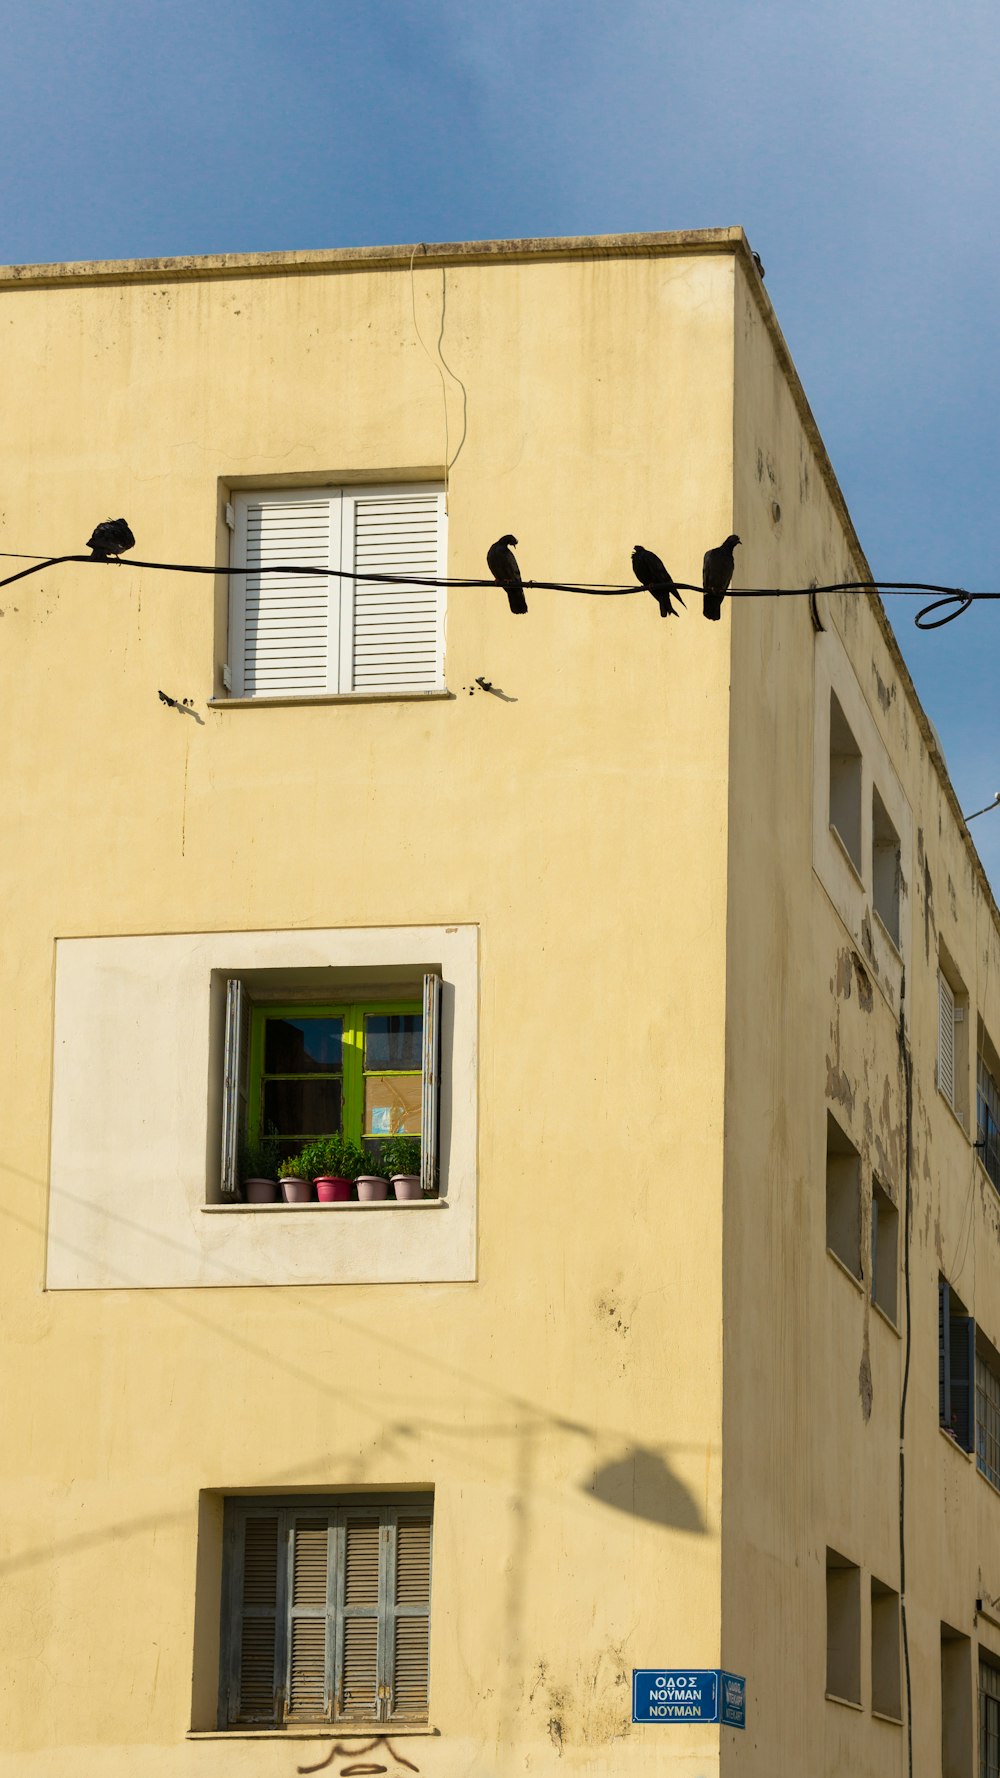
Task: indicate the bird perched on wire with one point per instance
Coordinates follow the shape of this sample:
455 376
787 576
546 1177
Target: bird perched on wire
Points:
110 539
502 564
650 573
716 573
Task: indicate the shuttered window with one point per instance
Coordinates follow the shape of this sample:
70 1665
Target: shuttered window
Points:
312 635
326 1612
946 1039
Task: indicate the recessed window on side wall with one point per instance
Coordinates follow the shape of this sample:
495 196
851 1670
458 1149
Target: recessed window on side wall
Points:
843 1628
988 1105
886 1700
956 1367
987 1409
885 1251
886 868
328 629
956 1704
989 1719
845 783
843 1197
953 1042
326 1611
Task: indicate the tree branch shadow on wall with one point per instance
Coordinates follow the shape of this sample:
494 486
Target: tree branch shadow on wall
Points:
642 1484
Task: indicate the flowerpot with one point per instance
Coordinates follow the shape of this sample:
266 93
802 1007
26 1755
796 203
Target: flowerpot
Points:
407 1185
331 1190
371 1190
297 1191
261 1191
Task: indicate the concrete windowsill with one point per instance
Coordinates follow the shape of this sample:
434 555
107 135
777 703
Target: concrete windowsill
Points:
338 697
883 1316
845 1268
297 1209
848 1703
951 1440
884 1716
957 1116
381 1731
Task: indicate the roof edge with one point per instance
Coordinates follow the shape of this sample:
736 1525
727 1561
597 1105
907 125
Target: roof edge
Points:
346 259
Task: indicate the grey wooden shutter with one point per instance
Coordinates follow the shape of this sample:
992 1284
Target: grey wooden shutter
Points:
285 628
233 1089
308 1681
357 1666
430 1102
393 639
408 1618
257 1646
962 1341
944 1354
946 1039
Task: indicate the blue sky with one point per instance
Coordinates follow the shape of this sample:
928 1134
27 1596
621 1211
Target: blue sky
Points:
857 143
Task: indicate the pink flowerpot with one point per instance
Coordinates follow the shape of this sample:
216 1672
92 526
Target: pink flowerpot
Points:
371 1190
407 1185
261 1191
331 1190
297 1191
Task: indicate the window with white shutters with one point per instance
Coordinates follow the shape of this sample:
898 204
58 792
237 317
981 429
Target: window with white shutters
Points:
326 1611
317 634
946 1039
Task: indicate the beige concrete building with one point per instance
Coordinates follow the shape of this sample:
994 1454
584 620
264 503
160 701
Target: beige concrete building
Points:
667 937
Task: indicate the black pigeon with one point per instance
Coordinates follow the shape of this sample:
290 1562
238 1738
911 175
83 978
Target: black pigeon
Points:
110 539
650 573
716 573
758 263
505 571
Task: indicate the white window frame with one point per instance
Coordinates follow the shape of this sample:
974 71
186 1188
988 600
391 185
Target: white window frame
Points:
340 592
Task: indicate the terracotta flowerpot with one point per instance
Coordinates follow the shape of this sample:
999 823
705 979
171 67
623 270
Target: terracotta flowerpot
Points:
406 1185
371 1189
332 1190
297 1191
261 1191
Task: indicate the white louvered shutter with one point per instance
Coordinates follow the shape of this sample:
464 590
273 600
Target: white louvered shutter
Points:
284 638
410 1619
233 1094
392 637
946 1039
430 1106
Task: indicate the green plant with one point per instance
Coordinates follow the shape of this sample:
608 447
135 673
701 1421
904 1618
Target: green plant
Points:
335 1158
296 1166
400 1154
258 1157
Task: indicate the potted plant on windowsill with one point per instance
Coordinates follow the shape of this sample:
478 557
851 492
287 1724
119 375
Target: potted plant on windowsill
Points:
334 1164
373 1180
257 1170
296 1179
401 1160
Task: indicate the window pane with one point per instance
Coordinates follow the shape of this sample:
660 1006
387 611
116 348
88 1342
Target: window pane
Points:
392 1104
394 1040
302 1107
302 1046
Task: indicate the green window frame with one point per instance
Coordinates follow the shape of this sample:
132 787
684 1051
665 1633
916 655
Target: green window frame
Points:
354 1072
326 1605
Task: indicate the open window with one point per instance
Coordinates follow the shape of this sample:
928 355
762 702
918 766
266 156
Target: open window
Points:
845 783
843 1197
885 1252
886 868
988 1105
953 1048
300 1065
956 1366
843 1629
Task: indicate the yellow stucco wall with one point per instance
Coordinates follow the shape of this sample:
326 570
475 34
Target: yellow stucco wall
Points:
566 1405
813 1372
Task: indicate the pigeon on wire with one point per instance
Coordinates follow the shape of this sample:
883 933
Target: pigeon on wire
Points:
110 539
502 564
650 573
716 573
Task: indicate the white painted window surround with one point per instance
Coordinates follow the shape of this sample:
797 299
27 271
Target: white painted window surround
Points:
313 635
137 1116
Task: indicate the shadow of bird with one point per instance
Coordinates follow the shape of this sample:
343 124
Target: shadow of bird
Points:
502 564
109 540
716 573
651 574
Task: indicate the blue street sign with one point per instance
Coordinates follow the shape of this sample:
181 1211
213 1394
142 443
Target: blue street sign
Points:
688 1694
